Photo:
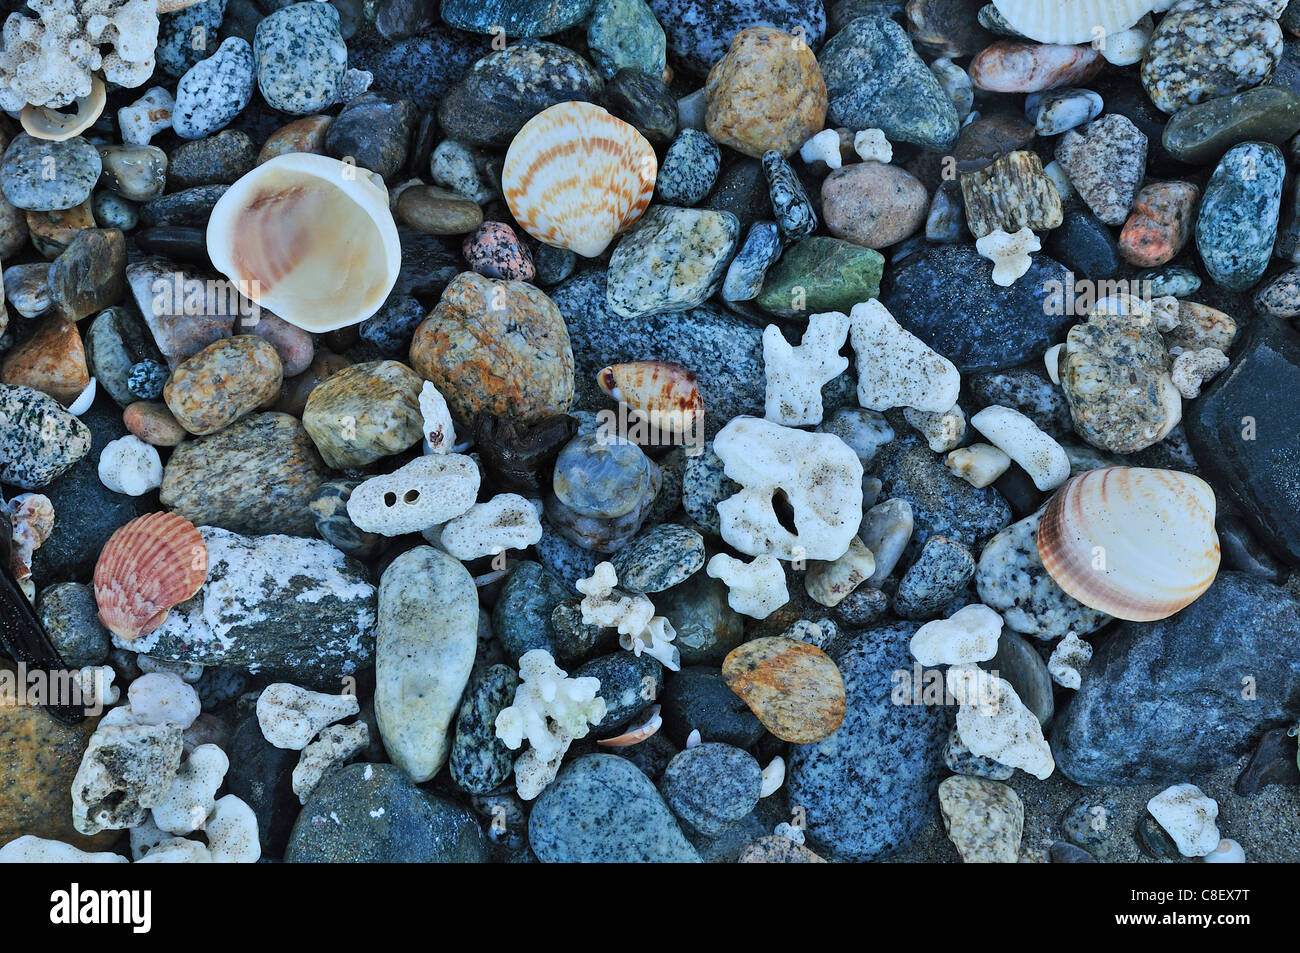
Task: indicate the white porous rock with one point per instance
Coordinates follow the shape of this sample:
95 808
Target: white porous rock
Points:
188 672
829 582
941 431
1188 816
1193 368
146 117
131 466
533 774
1009 253
231 830
796 374
194 791
773 777
439 429
895 367
979 464
823 147
872 146
507 521
126 770
145 837
756 589
331 750
1228 852
427 491
97 688
993 722
1164 312
1126 47
177 850
817 475
30 849
632 614
1052 359
968 635
160 697
48 59
1068 660
1019 438
290 716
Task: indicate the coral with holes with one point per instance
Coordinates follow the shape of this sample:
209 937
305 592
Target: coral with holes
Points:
47 60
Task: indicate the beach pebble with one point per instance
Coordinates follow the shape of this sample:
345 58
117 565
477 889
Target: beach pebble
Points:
795 215
227 380
1160 223
896 369
747 271
494 251
984 819
374 130
1105 163
1054 111
649 273
689 169
301 58
820 274
794 688
1008 66
712 786
979 464
1237 222
214 91
40 175
41 441
939 574
624 34
872 204
1188 816
364 412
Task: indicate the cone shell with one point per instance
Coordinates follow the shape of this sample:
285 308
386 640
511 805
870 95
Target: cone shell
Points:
664 392
1135 543
309 238
575 176
1071 21
146 567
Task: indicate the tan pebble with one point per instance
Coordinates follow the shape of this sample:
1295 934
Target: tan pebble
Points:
152 422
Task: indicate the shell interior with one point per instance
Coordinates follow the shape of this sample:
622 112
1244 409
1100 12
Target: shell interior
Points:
1135 543
148 566
1072 21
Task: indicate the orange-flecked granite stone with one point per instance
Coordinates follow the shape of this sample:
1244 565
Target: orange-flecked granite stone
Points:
1160 223
794 688
778 850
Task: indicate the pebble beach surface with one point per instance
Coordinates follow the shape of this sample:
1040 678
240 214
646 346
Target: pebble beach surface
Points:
657 431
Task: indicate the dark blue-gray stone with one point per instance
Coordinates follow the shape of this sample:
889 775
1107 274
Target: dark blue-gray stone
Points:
1019 663
940 573
187 36
745 274
374 813
712 786
643 101
515 18
700 31
480 761
391 328
947 298
795 215
261 775
39 175
659 558
707 627
1237 222
875 79
628 683
423 67
374 130
215 160
188 207
689 169
697 698
869 788
1085 245
521 617
1165 701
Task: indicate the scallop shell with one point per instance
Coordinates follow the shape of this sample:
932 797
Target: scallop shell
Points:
575 176
309 238
146 567
1071 21
1135 543
666 393
41 122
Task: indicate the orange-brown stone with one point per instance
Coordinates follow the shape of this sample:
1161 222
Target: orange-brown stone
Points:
778 850
1160 223
152 422
228 379
52 361
302 135
794 688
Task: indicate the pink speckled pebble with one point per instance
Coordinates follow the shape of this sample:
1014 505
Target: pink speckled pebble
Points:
494 251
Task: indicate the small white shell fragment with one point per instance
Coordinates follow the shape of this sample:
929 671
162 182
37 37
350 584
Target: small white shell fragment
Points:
427 491
1019 438
84 400
896 368
756 589
30 849
291 716
829 583
177 850
1188 816
1126 47
129 465
941 431
823 147
507 521
693 740
334 746
1068 660
439 429
1164 312
1052 359
980 464
194 791
231 830
146 117
993 722
1009 253
1192 369
161 697
968 635
97 688
1060 178
872 146
796 374
1228 852
773 777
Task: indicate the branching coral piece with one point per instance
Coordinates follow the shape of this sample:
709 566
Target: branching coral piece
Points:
639 629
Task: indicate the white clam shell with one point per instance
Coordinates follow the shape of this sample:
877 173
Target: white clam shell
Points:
575 176
309 238
1133 542
41 122
1072 21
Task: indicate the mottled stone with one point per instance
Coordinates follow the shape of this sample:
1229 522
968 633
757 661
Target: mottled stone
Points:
1084 245
659 558
374 129
1237 222
987 139
138 173
495 251
834 275
480 761
1008 66
301 58
745 274
1105 163
39 440
939 574
674 259
712 786
689 169
1160 223
707 628
794 688
796 216
514 18
364 412
700 31
51 361
1011 193
872 204
40 175
214 90
624 34
983 819
227 380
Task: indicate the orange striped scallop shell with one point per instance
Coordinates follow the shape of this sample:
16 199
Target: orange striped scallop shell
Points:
575 176
146 567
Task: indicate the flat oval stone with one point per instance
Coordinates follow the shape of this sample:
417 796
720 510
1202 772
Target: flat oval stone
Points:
872 204
438 211
138 173
44 176
223 382
1238 217
1010 67
374 129
674 259
712 786
833 274
794 688
1202 132
659 558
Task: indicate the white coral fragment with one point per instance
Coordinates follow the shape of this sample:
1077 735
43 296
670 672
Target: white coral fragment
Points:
829 583
160 697
941 431
194 791
823 147
815 478
994 723
980 464
439 429
507 521
30 849
130 466
1068 660
632 614
756 589
1189 817
1228 852
1019 438
872 146
1193 368
796 374
290 716
331 750
1009 253
969 635
146 117
231 830
896 368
